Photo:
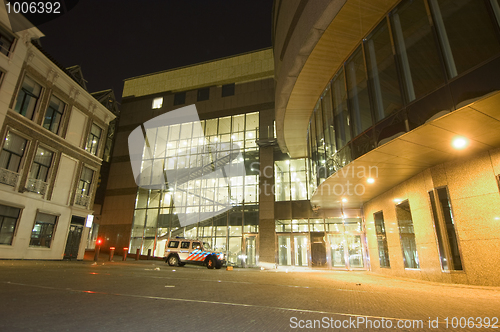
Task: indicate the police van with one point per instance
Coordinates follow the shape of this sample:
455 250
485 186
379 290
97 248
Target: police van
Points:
180 251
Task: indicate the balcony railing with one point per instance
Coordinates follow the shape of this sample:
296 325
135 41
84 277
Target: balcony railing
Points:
8 177
37 186
81 199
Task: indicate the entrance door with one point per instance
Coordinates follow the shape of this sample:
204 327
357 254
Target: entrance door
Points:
73 242
318 249
346 251
337 254
300 249
284 250
354 250
250 249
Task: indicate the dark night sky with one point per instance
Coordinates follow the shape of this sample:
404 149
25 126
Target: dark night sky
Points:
116 39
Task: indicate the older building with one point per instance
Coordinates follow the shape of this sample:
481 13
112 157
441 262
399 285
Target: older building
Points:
395 104
53 133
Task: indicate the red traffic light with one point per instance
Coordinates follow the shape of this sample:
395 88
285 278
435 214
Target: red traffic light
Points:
98 242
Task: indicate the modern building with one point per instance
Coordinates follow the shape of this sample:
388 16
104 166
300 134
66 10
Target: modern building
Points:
396 107
234 98
52 142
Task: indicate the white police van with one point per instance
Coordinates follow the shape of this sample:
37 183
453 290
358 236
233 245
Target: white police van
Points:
180 251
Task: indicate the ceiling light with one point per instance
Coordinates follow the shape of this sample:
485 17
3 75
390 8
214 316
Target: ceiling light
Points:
344 200
370 180
459 142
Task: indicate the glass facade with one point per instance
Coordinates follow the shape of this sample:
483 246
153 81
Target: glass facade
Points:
291 180
180 146
421 49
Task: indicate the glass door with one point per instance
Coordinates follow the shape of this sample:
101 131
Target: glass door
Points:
354 250
301 250
250 247
337 254
284 250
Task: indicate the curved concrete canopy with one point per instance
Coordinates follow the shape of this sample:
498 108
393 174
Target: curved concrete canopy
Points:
412 153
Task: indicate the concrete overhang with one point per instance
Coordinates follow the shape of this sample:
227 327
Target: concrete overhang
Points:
297 96
412 153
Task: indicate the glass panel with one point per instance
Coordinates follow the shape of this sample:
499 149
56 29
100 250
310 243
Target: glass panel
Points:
416 49
407 235
341 113
13 150
8 221
301 249
383 250
439 233
354 250
382 72
466 33
316 225
53 115
337 250
328 126
444 200
353 225
284 250
334 225
234 251
358 92
251 250
27 98
300 225
283 225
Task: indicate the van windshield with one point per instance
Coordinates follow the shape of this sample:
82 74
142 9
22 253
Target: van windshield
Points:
206 246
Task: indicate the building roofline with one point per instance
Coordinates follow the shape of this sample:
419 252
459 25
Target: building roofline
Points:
198 63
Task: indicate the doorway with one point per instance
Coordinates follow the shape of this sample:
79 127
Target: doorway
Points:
346 251
250 249
318 249
74 237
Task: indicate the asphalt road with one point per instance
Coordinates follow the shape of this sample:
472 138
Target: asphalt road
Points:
151 296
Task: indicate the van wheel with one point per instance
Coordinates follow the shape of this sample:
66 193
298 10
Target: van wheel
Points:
211 262
173 260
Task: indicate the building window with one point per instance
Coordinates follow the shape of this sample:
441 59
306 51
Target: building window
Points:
27 98
445 229
466 33
416 49
180 98
83 192
357 91
383 250
228 90
203 94
85 181
39 173
93 140
6 42
12 152
291 180
41 164
43 230
157 103
407 235
53 115
8 220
